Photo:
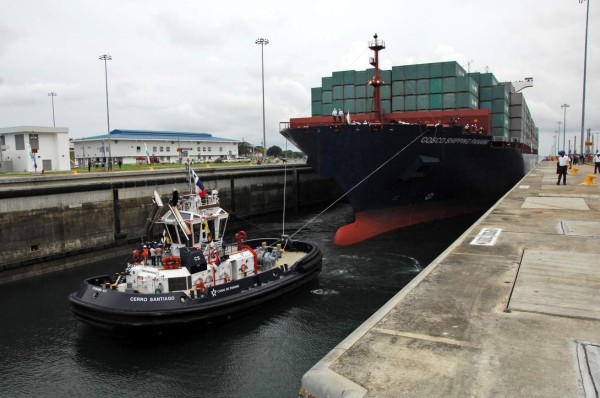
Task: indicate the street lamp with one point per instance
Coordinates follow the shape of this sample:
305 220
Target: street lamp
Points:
107 57
564 106
558 138
52 95
584 71
262 43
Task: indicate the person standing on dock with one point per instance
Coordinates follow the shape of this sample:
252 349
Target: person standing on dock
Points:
597 162
563 164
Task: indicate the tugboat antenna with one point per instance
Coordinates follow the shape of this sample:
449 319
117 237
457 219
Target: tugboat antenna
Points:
376 46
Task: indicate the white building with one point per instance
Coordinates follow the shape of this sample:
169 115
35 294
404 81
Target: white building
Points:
135 146
32 148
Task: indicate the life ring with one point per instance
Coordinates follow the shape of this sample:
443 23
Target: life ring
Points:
171 263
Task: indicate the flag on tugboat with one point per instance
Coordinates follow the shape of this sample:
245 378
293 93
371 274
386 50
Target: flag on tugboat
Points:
199 186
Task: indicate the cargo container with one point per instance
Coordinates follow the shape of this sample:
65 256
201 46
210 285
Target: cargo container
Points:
349 91
436 70
338 92
423 86
360 91
327 83
485 105
360 78
315 94
410 72
362 106
500 120
500 133
349 105
501 91
423 71
386 76
449 84
452 69
500 106
338 78
485 94
435 101
316 108
423 102
386 92
467 84
410 102
397 88
435 86
466 100
349 77
398 73
398 103
326 97
449 101
487 80
410 87
386 106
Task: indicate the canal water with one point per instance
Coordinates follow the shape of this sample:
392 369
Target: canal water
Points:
45 352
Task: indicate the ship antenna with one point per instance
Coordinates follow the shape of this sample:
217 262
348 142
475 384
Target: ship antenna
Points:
376 46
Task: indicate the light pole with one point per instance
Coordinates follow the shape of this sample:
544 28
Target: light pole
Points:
558 138
262 43
584 71
52 95
564 106
107 57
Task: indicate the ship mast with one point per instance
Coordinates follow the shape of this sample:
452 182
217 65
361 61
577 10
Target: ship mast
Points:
376 82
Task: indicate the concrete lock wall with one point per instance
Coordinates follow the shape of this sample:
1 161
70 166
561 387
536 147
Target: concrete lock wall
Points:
41 223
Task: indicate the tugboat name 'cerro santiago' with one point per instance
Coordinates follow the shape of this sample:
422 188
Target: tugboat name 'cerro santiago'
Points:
193 275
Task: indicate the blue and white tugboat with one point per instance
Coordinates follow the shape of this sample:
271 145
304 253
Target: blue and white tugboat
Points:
192 276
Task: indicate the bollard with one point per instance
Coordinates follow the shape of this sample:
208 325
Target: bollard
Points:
574 171
589 180
74 171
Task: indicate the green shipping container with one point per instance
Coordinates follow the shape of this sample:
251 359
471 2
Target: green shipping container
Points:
360 91
326 97
317 108
500 133
423 71
349 91
349 105
500 106
423 86
435 101
487 80
500 120
500 91
410 87
423 102
315 94
452 69
410 102
338 92
436 69
327 83
397 89
398 104
466 84
449 85
475 76
485 94
370 90
386 76
385 92
466 101
449 101
386 106
338 78
360 77
410 72
435 86
339 104
361 105
398 73
485 105
349 77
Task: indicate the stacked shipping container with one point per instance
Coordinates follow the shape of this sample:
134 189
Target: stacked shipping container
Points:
427 87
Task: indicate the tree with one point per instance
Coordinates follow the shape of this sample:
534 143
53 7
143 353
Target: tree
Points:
274 151
244 148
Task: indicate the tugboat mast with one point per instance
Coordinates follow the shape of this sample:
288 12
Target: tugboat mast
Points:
376 46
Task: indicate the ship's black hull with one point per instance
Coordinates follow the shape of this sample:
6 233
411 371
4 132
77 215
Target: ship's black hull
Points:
112 310
409 166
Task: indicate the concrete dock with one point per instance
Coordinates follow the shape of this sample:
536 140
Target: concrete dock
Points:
511 309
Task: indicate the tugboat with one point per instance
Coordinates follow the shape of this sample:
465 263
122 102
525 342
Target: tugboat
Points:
192 275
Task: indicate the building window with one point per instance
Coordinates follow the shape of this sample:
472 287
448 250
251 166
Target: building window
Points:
162 149
3 140
19 142
168 149
138 148
203 149
198 149
153 149
209 148
34 141
220 149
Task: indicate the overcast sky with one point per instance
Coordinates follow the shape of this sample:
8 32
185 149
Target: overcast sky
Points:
189 65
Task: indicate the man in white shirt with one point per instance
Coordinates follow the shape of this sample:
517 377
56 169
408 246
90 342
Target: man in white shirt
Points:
563 165
597 162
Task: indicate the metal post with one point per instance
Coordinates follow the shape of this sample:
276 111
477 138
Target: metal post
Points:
263 42
107 57
52 95
564 106
584 71
558 138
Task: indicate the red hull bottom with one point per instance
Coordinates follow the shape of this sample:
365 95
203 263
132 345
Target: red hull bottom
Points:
369 224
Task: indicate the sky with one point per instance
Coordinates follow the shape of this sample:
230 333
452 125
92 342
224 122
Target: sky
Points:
189 65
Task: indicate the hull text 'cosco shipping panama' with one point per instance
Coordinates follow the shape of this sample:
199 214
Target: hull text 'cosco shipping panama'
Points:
435 143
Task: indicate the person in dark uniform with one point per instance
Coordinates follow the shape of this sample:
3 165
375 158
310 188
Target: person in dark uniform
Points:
563 165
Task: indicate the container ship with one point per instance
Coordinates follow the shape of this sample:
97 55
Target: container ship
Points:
415 143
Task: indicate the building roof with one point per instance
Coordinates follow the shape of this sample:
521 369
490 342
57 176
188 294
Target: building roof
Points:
157 135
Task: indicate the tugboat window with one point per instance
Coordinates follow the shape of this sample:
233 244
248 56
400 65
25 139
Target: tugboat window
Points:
177 284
